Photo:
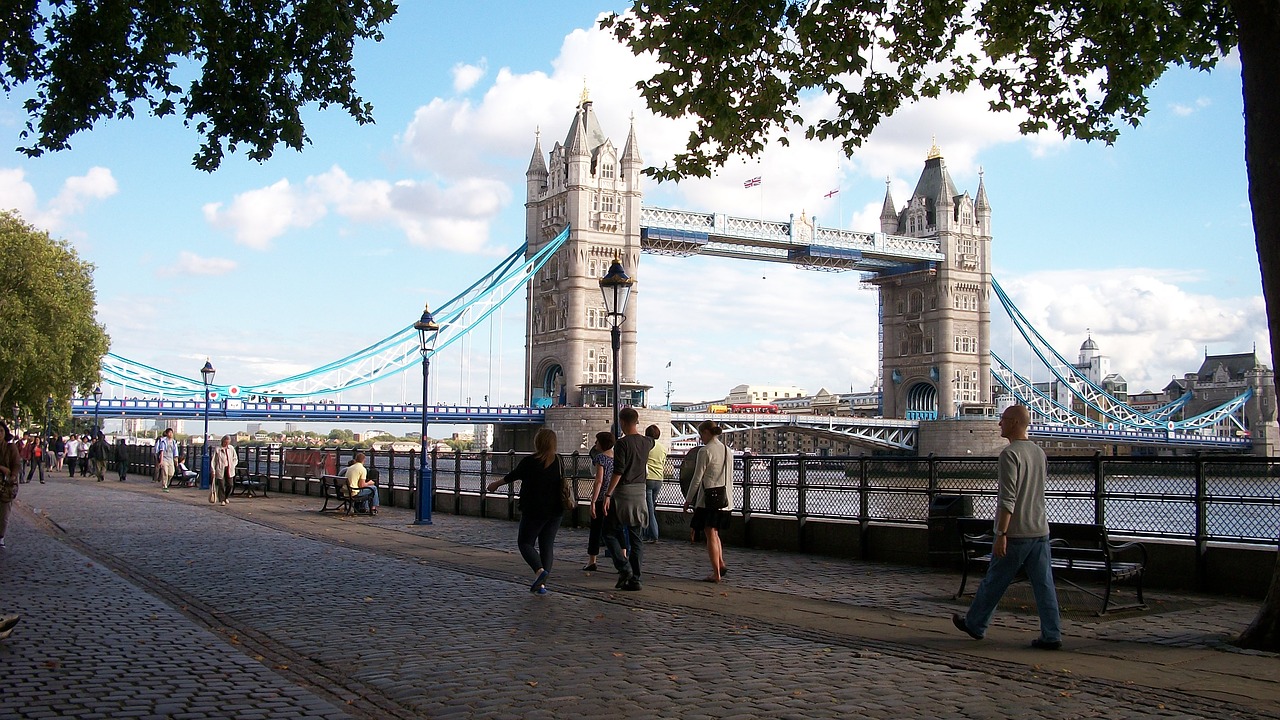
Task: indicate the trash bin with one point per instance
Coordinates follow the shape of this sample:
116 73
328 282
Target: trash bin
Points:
944 531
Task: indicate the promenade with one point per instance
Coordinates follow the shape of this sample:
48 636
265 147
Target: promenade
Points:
142 604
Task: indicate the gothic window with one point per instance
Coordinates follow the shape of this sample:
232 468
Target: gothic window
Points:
608 203
915 302
606 171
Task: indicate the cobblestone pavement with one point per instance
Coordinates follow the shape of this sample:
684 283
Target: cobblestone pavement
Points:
142 604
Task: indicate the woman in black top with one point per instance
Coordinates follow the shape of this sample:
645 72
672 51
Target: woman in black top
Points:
541 506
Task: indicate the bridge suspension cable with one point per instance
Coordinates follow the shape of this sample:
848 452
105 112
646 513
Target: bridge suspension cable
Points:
384 358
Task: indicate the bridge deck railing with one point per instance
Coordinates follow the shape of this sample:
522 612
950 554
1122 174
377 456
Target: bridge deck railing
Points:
1202 498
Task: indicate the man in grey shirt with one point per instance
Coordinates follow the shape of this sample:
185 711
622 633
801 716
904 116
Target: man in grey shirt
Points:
1020 537
626 510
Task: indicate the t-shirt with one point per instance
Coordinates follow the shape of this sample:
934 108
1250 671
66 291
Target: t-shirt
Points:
541 493
1020 489
606 462
356 473
73 448
631 458
657 465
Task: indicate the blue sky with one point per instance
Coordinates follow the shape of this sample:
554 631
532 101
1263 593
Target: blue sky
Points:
273 268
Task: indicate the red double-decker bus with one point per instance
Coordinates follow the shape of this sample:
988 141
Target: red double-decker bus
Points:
755 409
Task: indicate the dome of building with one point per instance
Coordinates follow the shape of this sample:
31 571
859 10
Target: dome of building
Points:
1088 344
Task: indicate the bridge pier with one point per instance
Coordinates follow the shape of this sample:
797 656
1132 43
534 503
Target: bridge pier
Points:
955 437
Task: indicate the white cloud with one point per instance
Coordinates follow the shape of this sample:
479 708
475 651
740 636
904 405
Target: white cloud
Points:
466 76
18 194
191 264
1183 110
454 216
1146 320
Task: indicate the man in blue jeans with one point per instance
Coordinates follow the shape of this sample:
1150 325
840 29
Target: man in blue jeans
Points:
1021 536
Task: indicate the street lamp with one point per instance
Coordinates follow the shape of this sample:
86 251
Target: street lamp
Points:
616 288
97 403
428 332
48 413
206 374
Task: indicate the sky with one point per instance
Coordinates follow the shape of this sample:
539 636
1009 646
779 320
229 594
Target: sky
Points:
273 268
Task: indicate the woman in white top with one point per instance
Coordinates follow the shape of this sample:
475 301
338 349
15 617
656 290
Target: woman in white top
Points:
224 468
714 469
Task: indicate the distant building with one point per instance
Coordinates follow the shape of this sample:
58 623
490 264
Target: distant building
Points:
483 437
762 394
168 423
253 428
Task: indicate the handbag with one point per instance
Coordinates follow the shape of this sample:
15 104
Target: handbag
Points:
717 498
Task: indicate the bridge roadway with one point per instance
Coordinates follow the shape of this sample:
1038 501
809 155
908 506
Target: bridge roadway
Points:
874 432
142 604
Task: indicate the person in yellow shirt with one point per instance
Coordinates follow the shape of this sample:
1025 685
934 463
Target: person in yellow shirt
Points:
363 490
654 472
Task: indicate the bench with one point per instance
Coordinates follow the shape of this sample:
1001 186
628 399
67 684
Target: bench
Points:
1076 549
335 488
246 485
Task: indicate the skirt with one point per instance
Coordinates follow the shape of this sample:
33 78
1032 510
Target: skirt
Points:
714 519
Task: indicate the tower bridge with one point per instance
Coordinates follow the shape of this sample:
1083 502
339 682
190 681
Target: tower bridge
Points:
930 263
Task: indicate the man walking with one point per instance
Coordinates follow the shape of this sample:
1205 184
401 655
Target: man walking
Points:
1020 537
166 455
626 510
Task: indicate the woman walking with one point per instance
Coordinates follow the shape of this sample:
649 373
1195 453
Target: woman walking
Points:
541 506
602 461
10 463
712 476
225 460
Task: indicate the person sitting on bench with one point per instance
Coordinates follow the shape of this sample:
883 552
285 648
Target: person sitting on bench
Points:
183 475
364 493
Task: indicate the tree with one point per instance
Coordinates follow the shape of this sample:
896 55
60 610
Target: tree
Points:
741 69
49 339
250 67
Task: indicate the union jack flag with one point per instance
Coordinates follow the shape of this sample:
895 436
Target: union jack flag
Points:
752 182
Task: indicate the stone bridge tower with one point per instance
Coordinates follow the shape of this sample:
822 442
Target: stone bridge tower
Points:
936 321
591 186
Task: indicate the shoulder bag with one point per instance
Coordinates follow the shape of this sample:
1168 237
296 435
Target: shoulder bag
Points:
566 489
717 498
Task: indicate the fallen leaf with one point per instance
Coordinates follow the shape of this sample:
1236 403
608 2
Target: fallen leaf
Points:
282 667
52 664
532 683
368 599
235 639
673 678
618 654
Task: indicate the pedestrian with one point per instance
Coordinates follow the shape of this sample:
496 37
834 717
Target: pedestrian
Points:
541 506
86 443
37 458
166 456
655 471
1020 537
624 501
24 457
72 454
713 471
122 459
98 451
602 463
225 459
364 492
10 462
60 450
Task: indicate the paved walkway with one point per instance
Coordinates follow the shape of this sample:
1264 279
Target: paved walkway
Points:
142 604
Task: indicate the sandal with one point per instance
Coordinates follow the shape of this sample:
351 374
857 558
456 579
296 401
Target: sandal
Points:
590 567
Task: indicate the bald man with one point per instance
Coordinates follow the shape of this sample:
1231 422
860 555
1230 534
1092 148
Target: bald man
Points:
1021 536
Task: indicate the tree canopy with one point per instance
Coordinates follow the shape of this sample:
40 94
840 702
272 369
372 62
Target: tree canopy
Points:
741 69
249 68
50 341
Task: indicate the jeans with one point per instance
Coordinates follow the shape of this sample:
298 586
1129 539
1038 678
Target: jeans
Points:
615 538
366 495
542 530
32 465
1031 555
651 489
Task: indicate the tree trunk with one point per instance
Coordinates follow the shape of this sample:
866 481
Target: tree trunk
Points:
1259 36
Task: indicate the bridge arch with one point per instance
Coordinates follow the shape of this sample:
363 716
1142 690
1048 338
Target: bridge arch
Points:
922 401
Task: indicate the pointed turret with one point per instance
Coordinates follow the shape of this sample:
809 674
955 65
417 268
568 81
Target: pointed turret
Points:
538 163
981 204
888 212
575 143
631 151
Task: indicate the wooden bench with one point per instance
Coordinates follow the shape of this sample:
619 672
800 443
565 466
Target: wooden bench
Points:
335 488
246 485
1076 549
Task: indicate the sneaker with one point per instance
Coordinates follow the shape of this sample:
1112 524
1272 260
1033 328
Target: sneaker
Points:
622 581
539 582
958 620
1046 644
632 585
543 590
165 489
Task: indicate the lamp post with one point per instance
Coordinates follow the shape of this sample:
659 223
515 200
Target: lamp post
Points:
428 331
616 288
206 476
48 413
97 403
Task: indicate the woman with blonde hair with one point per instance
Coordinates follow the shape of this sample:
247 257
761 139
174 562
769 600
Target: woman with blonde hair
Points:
541 506
709 494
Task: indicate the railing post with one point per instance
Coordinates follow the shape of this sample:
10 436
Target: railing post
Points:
573 485
932 491
800 502
773 486
414 461
864 507
457 480
1099 490
1202 522
484 481
391 470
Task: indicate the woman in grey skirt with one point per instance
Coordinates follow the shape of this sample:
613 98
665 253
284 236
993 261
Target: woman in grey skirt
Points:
714 469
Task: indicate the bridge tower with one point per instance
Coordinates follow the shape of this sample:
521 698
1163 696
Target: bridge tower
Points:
936 320
588 184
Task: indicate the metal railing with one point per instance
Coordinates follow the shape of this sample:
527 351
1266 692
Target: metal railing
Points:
1202 498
